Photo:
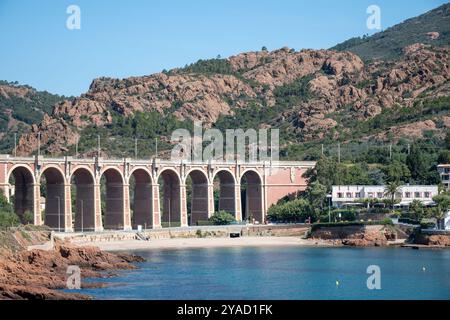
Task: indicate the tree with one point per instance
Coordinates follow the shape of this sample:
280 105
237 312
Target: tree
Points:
297 210
222 218
316 194
324 172
391 189
397 171
264 48
7 216
444 157
417 164
443 206
416 210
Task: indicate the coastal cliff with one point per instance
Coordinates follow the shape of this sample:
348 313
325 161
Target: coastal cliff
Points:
357 235
38 274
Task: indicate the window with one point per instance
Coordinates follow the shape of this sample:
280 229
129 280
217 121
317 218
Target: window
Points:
416 194
380 195
370 194
340 195
358 195
426 195
349 195
407 194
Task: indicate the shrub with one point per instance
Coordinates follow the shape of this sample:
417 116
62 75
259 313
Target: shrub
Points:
222 218
28 218
8 219
7 216
292 211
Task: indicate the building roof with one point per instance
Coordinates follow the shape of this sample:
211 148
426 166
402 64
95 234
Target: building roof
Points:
444 166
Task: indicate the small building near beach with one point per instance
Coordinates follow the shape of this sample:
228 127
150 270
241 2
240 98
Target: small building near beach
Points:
354 195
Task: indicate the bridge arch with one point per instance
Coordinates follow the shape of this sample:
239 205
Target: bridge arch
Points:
252 196
197 196
53 183
83 205
112 196
141 196
224 183
170 197
24 197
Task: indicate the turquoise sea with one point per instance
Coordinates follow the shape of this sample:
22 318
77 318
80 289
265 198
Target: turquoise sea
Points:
282 273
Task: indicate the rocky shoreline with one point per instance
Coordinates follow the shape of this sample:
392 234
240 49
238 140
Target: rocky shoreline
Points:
38 274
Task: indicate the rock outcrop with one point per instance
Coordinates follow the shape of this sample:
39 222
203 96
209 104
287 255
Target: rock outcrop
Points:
356 235
339 84
37 274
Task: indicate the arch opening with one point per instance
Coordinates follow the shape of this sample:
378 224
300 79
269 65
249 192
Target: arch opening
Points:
251 198
22 185
224 192
170 199
197 197
141 195
112 200
53 191
83 200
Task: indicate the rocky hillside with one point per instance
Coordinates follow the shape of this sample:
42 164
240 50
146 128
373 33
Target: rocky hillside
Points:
432 27
314 96
20 107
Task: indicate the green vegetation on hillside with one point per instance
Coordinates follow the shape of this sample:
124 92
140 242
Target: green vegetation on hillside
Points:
209 66
389 44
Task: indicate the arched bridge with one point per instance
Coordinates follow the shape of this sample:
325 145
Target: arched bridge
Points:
66 193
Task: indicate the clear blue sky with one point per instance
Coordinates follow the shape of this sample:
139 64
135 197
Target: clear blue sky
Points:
121 38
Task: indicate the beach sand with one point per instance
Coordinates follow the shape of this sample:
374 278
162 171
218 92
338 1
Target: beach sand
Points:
183 243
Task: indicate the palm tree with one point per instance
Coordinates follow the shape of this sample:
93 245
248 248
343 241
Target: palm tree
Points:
391 189
439 215
443 206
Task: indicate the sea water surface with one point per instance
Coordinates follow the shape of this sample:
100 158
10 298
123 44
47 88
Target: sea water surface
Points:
282 273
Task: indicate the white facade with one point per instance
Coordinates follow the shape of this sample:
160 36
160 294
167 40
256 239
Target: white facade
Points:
444 173
447 221
348 195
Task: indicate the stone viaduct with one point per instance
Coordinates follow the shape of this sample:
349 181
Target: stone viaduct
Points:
161 195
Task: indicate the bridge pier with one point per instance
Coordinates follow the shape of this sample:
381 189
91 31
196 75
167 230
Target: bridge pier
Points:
156 207
237 203
126 208
210 196
37 205
98 222
183 206
68 225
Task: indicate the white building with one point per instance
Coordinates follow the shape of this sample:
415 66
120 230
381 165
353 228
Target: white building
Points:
349 195
444 173
447 221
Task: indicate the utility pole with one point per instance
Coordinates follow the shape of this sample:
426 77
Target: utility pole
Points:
98 146
409 149
339 153
322 149
15 145
390 151
76 149
39 144
156 148
135 148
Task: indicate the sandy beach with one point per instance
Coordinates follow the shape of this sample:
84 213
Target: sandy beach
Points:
183 243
